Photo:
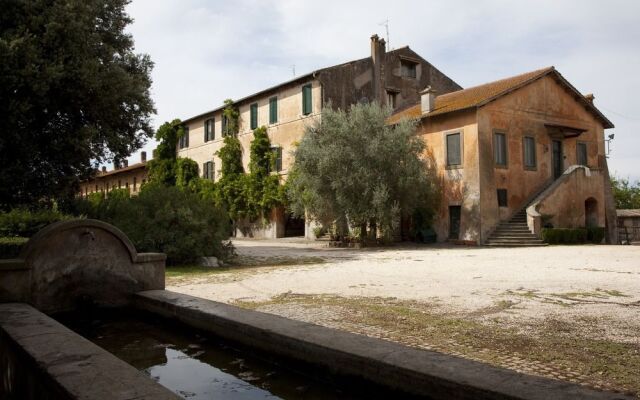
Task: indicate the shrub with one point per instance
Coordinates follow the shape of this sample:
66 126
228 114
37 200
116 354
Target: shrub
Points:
10 246
595 234
25 223
171 220
564 235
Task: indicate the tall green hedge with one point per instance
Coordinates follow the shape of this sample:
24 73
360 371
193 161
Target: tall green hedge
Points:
23 222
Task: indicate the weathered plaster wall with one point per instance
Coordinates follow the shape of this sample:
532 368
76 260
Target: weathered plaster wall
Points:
285 133
525 113
564 207
459 184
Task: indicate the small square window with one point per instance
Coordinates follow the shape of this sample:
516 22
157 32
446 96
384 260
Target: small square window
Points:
408 69
392 98
502 198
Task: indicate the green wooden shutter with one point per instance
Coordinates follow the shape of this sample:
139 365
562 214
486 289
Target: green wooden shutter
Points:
254 116
306 99
273 110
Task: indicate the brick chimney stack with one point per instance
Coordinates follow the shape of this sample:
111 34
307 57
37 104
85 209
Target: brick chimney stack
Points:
104 169
125 163
378 51
589 97
427 100
143 156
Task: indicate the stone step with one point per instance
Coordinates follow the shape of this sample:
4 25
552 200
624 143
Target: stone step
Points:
516 244
523 236
512 241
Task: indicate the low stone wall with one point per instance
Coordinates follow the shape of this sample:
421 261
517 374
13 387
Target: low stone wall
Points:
77 261
413 371
42 359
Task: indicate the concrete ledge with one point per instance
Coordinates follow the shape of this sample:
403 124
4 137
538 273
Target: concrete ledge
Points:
65 364
419 372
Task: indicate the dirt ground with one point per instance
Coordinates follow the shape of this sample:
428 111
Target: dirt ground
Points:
566 312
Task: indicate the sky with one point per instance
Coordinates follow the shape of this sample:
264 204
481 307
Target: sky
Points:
208 51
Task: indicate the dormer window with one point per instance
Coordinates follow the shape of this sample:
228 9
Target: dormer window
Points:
408 69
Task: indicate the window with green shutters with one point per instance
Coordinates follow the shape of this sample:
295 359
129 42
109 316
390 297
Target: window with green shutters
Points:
273 110
500 149
209 133
454 150
529 152
277 157
581 153
254 115
183 141
306 99
207 170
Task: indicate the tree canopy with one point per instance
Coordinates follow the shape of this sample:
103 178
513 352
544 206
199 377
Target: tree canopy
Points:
626 194
73 95
354 169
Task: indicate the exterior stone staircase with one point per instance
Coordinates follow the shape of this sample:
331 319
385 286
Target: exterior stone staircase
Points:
514 233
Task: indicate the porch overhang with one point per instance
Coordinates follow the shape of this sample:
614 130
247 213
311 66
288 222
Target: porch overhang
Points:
564 130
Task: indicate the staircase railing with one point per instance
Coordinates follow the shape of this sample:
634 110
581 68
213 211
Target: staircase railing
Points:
534 218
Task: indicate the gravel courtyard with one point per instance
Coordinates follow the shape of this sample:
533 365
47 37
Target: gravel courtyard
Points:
567 312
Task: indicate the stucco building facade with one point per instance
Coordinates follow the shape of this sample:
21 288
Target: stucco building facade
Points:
391 78
123 176
516 155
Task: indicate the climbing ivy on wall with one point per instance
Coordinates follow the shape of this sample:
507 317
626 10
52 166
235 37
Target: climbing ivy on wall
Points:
250 195
230 118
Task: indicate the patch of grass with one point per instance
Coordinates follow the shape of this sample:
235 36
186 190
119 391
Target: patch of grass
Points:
603 363
239 265
249 261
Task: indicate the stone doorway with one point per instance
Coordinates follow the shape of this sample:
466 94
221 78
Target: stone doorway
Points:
590 212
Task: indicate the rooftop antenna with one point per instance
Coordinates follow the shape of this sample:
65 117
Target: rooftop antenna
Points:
293 69
385 23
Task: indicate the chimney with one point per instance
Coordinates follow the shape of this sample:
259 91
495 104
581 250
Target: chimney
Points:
427 100
125 163
378 50
116 164
589 97
104 169
143 156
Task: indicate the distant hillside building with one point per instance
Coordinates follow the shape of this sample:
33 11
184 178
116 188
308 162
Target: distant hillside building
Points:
123 176
392 78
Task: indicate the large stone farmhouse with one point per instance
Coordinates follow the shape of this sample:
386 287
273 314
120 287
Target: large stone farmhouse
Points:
516 155
394 78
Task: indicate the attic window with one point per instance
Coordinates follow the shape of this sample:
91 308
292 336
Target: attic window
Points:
408 69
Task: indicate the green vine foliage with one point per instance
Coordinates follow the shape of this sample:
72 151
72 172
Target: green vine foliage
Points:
251 195
186 172
229 190
231 118
162 168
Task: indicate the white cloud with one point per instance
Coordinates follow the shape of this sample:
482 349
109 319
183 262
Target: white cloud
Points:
207 51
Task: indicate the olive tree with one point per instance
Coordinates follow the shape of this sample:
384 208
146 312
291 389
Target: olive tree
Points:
354 169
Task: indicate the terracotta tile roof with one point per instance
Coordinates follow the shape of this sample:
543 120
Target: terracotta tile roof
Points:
628 213
120 170
480 95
